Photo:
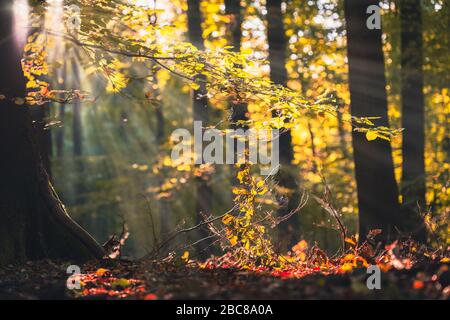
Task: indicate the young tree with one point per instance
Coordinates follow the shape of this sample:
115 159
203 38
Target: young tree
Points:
377 189
34 223
413 112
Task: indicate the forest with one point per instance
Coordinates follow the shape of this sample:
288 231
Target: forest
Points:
224 149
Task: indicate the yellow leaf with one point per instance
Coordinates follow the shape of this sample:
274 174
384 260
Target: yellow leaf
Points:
195 86
346 117
227 219
246 51
101 271
260 183
371 135
120 283
185 256
347 267
31 84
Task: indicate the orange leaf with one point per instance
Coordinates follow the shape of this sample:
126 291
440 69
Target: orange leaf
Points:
101 271
417 284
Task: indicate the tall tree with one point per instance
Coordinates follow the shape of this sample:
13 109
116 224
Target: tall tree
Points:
34 223
233 8
413 105
278 74
76 124
43 135
200 105
378 195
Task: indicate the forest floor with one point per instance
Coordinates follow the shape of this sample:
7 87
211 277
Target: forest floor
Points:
119 279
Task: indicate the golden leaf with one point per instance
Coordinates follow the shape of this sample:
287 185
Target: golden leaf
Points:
227 219
371 135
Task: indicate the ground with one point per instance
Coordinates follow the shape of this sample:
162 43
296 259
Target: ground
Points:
119 279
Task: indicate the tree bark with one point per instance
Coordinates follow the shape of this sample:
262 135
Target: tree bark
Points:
43 135
413 105
233 8
277 59
34 223
77 124
59 132
200 109
374 170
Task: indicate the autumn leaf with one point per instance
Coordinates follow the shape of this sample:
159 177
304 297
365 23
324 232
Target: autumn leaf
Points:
194 85
101 271
371 135
185 256
233 241
227 219
120 283
351 241
151 296
417 284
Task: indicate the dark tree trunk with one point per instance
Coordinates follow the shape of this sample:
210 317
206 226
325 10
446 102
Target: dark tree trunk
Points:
200 108
43 136
278 74
413 113
76 124
233 8
34 223
377 189
277 59
59 132
238 109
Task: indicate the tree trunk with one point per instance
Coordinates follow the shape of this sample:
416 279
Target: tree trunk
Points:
277 59
43 135
59 132
278 74
200 109
34 223
377 189
233 8
76 124
413 113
